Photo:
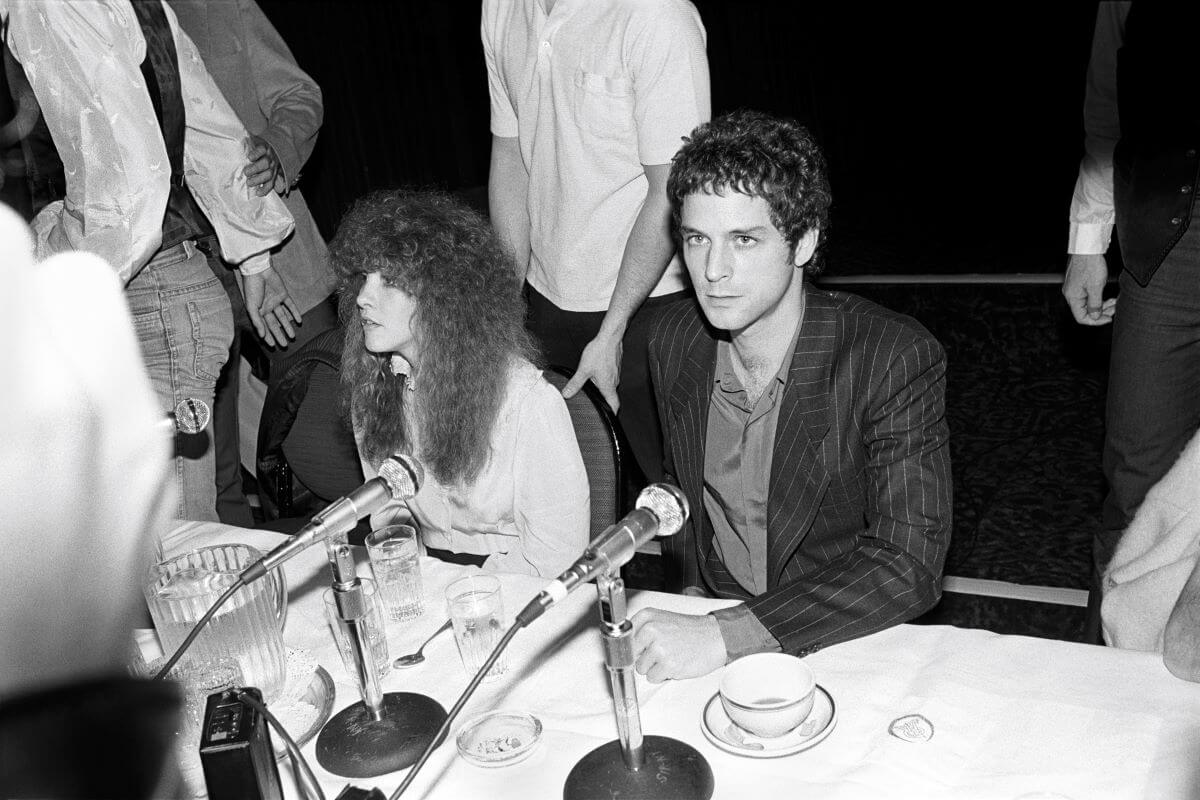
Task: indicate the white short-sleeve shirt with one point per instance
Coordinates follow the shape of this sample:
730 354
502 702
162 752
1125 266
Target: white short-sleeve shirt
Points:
593 91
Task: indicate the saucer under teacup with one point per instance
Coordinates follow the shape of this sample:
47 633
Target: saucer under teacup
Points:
721 731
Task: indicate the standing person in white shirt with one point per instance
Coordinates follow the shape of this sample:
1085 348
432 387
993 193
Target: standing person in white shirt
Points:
590 99
154 158
1139 176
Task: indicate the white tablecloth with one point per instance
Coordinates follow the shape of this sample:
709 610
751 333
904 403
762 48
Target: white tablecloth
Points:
1011 714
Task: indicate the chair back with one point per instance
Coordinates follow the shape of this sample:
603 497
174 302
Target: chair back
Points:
596 431
306 453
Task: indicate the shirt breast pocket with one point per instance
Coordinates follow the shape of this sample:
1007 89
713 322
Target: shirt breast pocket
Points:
603 105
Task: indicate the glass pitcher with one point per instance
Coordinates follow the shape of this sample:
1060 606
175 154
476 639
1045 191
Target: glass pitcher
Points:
248 627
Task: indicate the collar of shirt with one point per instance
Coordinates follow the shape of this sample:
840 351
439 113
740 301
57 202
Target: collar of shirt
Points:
726 379
400 366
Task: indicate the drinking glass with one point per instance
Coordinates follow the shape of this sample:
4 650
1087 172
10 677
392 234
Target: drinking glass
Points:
246 629
395 562
477 611
376 632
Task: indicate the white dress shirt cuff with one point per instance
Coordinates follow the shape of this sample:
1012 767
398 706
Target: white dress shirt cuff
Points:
1088 238
259 262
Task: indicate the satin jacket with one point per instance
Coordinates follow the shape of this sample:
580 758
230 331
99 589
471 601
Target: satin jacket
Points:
82 60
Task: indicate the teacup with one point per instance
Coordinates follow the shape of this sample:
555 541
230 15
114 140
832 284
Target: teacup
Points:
768 694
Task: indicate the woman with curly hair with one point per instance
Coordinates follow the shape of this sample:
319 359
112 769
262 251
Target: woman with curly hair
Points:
437 364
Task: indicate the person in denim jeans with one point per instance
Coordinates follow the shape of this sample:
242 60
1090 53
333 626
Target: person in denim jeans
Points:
184 326
155 160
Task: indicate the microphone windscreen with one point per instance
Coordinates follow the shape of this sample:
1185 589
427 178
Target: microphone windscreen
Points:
192 415
403 475
668 504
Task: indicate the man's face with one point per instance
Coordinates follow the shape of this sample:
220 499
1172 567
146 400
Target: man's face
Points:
741 267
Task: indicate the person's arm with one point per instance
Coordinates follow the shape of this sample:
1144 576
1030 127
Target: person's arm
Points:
121 219
1181 639
647 253
292 104
894 571
248 225
1092 214
551 501
508 177
289 98
270 306
669 67
508 193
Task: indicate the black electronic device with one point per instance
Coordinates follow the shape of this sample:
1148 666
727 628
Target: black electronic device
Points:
355 793
236 751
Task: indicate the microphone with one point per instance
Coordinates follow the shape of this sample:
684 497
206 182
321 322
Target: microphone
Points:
400 478
190 416
661 511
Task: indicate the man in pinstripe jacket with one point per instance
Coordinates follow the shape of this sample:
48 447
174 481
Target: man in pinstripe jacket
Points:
806 427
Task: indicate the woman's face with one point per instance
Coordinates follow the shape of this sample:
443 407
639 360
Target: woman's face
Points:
387 316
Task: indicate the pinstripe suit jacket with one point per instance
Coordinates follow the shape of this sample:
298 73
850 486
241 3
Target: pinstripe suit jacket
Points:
858 518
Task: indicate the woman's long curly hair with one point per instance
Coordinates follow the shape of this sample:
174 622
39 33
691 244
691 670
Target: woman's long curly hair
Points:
469 324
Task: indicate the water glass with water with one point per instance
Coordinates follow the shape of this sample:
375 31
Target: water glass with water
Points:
376 631
477 611
396 564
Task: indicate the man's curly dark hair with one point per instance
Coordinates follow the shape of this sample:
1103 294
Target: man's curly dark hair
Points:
470 324
759 155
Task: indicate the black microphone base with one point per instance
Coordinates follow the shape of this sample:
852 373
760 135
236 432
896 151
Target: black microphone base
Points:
673 770
353 745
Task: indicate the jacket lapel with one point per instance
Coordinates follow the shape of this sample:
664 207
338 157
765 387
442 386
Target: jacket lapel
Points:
798 474
688 408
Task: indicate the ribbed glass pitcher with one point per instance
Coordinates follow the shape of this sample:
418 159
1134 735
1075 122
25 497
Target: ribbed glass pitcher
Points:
249 626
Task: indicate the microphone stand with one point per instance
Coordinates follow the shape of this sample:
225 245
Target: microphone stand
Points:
634 766
383 732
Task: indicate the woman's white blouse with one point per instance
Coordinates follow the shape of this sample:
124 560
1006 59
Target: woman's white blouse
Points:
529 509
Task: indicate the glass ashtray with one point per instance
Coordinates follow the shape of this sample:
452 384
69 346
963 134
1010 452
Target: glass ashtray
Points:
312 709
499 738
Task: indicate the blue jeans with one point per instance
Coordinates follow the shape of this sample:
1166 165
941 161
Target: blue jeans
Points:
184 327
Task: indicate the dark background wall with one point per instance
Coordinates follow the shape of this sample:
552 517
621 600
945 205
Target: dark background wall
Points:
953 131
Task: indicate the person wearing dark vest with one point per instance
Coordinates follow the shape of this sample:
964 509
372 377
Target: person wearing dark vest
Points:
1139 176
155 159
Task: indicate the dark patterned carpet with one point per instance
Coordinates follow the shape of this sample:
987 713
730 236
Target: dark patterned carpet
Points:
1025 399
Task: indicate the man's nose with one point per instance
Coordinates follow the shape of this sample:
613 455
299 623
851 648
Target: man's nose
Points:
716 264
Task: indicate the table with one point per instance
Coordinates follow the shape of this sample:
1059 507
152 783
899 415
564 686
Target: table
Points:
1012 714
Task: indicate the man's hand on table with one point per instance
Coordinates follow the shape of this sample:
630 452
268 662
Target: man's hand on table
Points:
670 645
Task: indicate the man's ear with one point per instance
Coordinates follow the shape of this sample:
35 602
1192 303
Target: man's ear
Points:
804 249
